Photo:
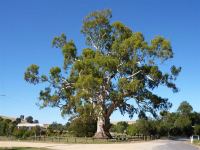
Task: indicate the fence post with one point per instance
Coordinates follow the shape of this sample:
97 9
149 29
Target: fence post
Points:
191 138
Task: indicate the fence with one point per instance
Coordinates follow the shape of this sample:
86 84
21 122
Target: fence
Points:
81 140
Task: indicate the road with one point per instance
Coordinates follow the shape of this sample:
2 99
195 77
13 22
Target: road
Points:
151 145
175 145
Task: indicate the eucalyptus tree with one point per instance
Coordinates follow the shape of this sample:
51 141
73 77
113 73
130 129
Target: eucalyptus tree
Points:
185 109
118 70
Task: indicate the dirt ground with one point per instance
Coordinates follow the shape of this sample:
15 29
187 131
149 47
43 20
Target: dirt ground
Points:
128 146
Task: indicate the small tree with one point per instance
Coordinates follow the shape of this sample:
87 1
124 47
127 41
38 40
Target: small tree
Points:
83 127
121 127
35 121
85 123
146 127
132 130
29 119
117 66
185 108
167 121
184 124
18 120
55 128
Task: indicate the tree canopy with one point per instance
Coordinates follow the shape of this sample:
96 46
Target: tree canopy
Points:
117 66
185 108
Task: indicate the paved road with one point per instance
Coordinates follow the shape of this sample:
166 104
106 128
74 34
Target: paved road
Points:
175 145
152 145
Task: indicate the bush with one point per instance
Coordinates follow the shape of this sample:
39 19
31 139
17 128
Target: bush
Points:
80 127
19 133
197 129
132 130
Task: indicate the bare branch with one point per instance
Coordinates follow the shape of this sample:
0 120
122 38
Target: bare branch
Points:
134 74
93 43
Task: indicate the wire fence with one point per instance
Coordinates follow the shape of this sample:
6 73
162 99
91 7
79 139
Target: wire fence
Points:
81 140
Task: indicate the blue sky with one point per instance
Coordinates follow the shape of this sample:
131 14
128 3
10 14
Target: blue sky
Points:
27 28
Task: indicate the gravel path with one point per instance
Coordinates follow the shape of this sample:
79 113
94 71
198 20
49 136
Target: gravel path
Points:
152 145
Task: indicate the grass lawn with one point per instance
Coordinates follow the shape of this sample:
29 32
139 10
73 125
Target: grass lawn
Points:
22 148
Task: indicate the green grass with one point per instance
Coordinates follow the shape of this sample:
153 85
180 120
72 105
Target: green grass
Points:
20 148
196 142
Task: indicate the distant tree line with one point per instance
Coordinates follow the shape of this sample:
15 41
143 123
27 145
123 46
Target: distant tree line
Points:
183 122
9 127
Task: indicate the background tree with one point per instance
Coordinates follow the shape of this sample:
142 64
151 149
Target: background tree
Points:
18 120
121 127
197 129
146 127
29 119
35 121
83 127
167 121
185 108
6 127
85 123
132 130
21 117
55 128
195 118
184 124
117 67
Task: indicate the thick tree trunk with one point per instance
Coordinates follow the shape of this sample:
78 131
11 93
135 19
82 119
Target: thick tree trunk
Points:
102 128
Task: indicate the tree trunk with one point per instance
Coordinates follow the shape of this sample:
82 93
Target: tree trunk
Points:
103 128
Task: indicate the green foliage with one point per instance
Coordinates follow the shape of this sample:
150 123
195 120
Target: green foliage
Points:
24 133
132 130
97 29
19 133
146 127
56 128
168 124
195 118
185 108
9 128
84 124
118 65
197 129
80 127
184 125
6 127
120 127
182 122
31 74
29 119
18 120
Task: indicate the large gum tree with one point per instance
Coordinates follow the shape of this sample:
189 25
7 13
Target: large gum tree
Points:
118 70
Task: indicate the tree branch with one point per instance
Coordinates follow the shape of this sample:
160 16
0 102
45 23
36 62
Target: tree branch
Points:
134 74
